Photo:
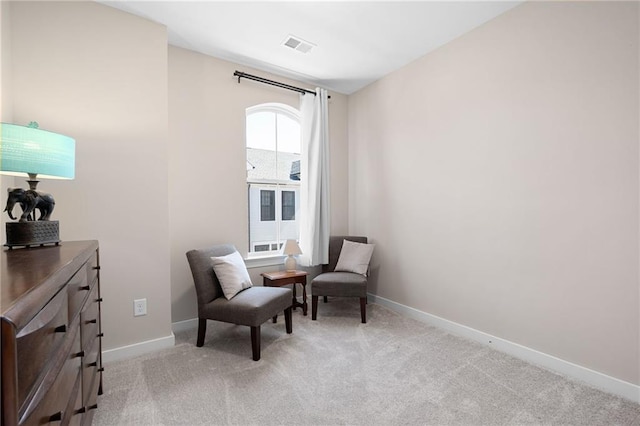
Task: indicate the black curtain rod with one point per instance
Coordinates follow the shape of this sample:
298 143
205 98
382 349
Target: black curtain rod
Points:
241 74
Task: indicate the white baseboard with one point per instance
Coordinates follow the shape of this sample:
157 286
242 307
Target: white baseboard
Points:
130 351
598 380
189 324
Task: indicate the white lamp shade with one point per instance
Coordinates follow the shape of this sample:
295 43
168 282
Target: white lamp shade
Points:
291 247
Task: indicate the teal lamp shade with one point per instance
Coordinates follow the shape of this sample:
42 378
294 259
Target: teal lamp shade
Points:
29 150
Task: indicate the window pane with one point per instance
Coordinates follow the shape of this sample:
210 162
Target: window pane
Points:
267 205
261 130
261 146
261 247
288 134
288 205
261 165
288 142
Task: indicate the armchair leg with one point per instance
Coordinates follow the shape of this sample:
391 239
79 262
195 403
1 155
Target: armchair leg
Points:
255 342
314 307
363 309
325 299
202 330
287 320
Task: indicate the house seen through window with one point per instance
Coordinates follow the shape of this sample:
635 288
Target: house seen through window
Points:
273 176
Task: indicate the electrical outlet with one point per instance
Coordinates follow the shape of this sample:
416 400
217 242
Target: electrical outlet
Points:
139 307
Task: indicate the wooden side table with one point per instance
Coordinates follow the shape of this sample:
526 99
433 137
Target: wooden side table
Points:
280 278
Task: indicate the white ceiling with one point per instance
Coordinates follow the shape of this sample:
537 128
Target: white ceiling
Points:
356 42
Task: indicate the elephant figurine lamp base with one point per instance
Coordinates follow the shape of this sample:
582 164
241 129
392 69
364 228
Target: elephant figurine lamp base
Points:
32 233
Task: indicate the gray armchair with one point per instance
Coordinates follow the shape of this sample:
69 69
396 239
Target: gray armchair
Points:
339 284
251 307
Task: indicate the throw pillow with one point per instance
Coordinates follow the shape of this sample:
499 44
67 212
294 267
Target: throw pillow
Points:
354 257
232 274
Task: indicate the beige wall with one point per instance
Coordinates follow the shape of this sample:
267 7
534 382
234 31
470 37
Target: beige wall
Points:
6 100
100 76
5 62
498 177
208 193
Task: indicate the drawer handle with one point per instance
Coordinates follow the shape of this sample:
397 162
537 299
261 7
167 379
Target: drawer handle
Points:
80 411
80 354
96 268
85 287
93 364
101 369
93 321
100 335
57 417
92 407
61 329
99 299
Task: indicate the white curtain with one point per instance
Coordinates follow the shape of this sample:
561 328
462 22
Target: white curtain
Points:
314 179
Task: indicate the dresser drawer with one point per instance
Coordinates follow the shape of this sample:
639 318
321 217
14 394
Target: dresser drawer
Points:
74 414
90 377
52 398
92 267
38 341
92 402
78 290
90 319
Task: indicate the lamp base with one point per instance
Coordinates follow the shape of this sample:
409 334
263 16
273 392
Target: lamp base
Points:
290 263
32 233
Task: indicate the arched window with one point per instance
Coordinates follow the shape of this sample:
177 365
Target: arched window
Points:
273 176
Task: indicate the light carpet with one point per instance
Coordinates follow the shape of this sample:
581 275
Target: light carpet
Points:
336 371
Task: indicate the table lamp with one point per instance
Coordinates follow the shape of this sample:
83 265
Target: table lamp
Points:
27 150
291 248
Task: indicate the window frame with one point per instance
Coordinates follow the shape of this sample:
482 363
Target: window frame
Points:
280 186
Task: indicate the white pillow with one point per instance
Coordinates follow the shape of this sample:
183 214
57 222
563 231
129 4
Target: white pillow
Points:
354 257
232 274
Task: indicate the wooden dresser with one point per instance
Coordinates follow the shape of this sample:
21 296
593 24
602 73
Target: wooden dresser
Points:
51 334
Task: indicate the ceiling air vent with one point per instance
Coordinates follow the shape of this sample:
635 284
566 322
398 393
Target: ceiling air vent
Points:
296 43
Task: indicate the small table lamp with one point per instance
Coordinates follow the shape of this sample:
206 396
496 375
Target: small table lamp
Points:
27 150
291 248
